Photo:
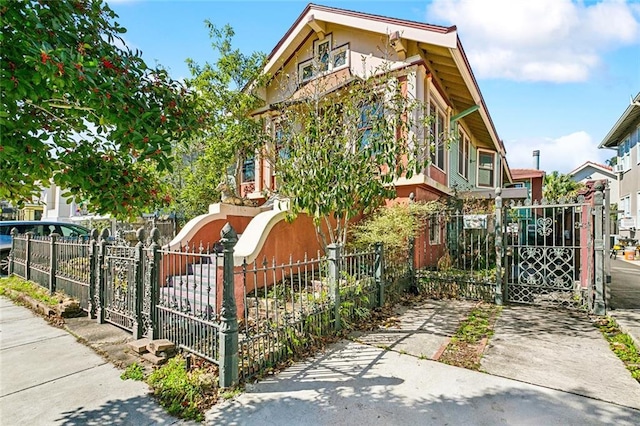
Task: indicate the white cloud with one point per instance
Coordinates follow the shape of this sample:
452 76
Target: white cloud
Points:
562 154
539 40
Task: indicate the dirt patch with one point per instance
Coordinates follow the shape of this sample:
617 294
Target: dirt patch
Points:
466 347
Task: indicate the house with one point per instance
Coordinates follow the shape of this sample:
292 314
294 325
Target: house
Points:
624 137
334 46
531 179
589 171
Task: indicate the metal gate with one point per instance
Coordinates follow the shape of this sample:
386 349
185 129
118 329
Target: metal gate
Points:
120 286
549 256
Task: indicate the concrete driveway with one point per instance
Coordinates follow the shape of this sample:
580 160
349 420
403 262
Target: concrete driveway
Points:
546 367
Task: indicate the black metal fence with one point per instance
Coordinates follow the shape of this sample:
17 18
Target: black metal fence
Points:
455 256
244 317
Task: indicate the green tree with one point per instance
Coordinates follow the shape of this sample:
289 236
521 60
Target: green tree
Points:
82 109
228 134
558 186
338 155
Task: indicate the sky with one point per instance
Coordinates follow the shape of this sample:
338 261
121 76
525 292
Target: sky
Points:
555 75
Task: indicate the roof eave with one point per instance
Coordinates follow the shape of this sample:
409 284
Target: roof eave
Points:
613 137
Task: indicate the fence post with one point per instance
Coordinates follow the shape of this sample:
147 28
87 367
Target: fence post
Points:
154 284
101 276
12 253
27 257
228 314
138 258
598 246
93 261
499 247
52 262
413 286
379 272
334 255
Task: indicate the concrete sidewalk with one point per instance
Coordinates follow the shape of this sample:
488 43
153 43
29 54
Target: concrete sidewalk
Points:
48 378
547 366
354 383
558 349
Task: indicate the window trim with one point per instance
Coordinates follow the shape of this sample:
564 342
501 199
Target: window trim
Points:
251 160
437 136
464 146
493 168
310 68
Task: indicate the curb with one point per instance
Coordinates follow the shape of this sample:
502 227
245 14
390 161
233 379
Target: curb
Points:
627 330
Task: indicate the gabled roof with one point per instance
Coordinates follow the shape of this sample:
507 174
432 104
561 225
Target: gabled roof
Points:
600 167
625 124
526 173
440 46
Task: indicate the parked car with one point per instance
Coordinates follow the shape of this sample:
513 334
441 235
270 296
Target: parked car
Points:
39 228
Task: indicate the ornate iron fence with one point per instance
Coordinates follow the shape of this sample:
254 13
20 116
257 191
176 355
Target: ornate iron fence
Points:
248 316
455 256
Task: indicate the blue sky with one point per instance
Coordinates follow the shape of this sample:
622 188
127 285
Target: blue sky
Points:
555 74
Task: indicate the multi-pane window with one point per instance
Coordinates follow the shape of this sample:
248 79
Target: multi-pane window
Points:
486 168
326 58
463 156
370 114
624 154
437 136
249 170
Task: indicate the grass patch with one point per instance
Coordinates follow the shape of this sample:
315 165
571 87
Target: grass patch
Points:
13 287
133 372
467 345
184 394
622 345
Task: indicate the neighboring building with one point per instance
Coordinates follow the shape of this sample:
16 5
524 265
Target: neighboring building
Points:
624 137
428 62
594 171
531 179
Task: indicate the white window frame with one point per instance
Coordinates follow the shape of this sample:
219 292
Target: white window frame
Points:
311 68
464 146
493 168
437 135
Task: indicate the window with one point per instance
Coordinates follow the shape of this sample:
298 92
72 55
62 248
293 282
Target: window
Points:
325 59
486 166
625 206
437 136
249 170
370 115
321 52
463 156
624 154
434 231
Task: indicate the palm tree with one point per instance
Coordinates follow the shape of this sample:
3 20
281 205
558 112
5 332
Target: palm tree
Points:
558 185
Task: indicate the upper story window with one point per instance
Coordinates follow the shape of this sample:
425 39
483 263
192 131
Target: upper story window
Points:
624 154
249 170
486 168
437 135
325 59
463 155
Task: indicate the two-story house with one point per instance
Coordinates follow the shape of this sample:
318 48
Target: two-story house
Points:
624 137
428 60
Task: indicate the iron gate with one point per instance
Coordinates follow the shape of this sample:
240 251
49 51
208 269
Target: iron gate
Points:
549 256
120 286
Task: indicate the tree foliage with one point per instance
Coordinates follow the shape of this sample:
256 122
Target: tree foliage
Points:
228 134
82 109
338 155
558 186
